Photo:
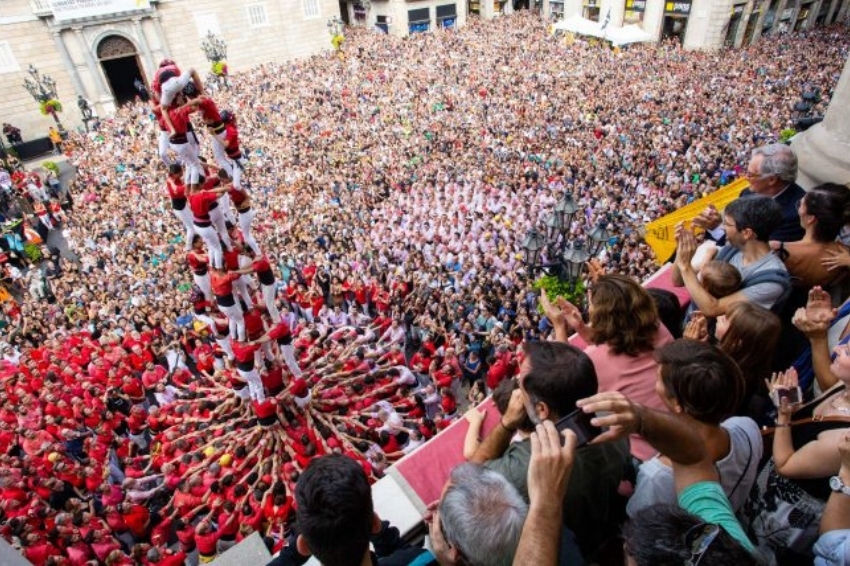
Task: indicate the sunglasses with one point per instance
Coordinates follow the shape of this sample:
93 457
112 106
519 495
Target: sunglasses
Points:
698 539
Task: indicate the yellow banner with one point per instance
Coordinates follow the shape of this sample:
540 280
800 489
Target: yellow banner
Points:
661 234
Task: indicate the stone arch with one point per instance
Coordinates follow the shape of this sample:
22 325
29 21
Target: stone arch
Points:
119 60
115 46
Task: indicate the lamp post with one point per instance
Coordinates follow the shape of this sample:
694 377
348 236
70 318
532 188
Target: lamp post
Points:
335 26
564 258
43 90
214 47
215 50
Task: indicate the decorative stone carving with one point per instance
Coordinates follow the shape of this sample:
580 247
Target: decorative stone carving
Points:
115 46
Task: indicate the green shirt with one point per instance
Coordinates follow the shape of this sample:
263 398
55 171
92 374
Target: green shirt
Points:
707 501
592 498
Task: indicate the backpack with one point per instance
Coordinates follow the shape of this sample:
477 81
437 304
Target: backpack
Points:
780 276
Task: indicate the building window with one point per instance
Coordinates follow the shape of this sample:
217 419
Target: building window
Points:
311 9
419 20
447 15
8 63
257 16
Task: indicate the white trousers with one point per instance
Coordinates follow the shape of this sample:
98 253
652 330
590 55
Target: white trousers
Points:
203 281
245 219
217 219
236 319
210 237
185 216
255 384
288 353
163 144
188 155
224 344
269 295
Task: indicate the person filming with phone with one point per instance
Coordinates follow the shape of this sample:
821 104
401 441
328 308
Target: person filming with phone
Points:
553 377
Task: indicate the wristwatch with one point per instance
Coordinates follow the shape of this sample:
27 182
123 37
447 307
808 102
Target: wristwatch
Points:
836 484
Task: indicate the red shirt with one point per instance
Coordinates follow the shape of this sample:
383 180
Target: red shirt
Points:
137 520
176 189
209 110
199 203
180 118
222 282
231 134
265 408
243 352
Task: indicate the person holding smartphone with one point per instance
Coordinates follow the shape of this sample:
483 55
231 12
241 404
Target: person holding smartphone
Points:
553 377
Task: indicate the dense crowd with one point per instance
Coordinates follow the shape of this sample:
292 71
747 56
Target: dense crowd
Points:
146 421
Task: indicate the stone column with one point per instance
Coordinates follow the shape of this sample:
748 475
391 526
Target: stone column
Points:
91 63
777 16
69 64
833 6
160 35
842 12
765 6
106 100
823 150
742 26
487 9
814 10
140 33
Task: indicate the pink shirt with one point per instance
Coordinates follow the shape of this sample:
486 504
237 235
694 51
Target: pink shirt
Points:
634 377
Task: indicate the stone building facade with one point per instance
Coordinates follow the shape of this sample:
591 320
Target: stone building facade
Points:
97 48
704 24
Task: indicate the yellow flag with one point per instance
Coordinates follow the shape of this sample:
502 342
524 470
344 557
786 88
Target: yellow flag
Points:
661 234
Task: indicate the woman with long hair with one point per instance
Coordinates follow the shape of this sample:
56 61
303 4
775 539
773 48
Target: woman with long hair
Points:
623 334
748 333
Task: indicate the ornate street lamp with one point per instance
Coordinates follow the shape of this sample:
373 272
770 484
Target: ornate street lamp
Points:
599 236
214 48
568 258
43 90
574 259
554 226
566 209
532 246
335 26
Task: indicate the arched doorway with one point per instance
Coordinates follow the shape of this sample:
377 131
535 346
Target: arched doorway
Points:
121 66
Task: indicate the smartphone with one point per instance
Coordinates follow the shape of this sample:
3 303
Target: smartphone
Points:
794 396
579 422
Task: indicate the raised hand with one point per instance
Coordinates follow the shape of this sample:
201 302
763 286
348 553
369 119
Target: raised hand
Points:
784 380
819 306
708 219
807 326
474 416
686 247
697 327
553 312
836 259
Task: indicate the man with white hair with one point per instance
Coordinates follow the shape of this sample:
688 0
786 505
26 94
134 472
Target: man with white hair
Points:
772 172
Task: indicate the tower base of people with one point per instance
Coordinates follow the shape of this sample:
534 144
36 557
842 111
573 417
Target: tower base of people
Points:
823 151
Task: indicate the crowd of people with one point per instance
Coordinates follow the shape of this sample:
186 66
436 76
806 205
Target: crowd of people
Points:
326 260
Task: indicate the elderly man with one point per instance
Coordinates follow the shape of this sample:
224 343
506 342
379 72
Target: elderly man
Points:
553 377
772 172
